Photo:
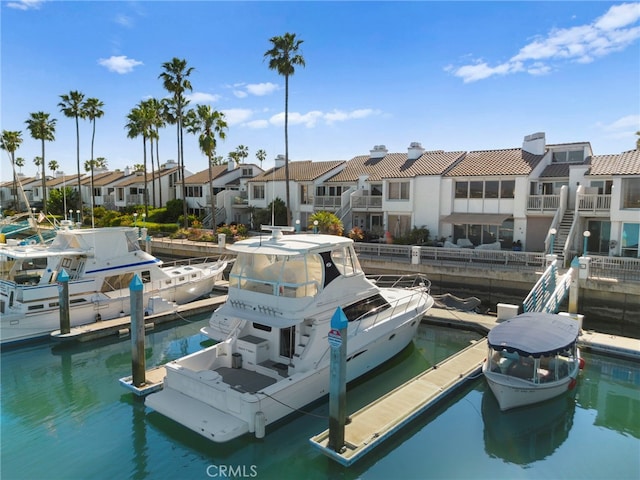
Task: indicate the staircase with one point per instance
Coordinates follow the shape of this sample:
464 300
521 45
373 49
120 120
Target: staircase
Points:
561 236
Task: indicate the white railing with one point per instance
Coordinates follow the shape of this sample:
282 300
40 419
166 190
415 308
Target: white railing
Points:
326 202
543 203
594 203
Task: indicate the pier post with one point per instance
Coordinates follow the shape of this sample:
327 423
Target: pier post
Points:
137 332
63 295
574 288
338 380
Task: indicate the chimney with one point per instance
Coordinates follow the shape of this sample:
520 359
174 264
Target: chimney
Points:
415 151
170 164
379 151
231 165
127 171
279 162
58 174
534 143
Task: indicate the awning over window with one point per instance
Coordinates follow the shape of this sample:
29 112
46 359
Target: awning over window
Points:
476 218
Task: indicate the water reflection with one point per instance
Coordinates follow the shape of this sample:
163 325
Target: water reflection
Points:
611 387
528 434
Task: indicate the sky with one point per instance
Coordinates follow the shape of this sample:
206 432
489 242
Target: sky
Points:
454 76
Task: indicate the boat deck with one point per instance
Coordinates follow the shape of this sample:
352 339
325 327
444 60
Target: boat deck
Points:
374 423
245 381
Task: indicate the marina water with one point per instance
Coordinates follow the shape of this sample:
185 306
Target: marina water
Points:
65 416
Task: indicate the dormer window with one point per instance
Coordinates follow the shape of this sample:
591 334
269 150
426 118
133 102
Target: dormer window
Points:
571 156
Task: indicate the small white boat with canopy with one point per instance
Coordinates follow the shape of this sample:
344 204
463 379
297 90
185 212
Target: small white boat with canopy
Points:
532 357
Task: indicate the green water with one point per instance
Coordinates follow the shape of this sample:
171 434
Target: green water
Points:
64 415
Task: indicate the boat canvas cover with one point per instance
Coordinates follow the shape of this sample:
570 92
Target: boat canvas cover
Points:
535 334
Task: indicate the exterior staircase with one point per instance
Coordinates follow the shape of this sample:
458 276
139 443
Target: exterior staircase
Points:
562 234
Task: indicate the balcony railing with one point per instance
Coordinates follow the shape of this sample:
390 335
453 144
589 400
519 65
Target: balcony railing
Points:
366 201
326 202
594 203
543 203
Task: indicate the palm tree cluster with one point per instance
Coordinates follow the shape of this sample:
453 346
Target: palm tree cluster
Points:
148 116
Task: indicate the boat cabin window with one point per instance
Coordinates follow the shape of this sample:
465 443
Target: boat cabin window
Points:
146 276
281 275
116 282
369 306
346 261
132 242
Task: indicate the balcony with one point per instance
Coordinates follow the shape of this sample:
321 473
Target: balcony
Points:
543 203
326 202
366 202
594 204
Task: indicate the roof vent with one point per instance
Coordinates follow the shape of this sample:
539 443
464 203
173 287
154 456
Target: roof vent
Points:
379 151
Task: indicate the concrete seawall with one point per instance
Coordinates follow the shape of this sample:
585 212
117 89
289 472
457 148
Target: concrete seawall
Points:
609 306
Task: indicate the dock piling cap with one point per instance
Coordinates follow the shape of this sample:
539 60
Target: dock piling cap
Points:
63 276
339 320
136 284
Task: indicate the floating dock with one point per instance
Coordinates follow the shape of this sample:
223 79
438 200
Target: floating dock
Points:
371 425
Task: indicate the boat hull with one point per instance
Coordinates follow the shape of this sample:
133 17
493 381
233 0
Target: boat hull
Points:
20 327
192 398
513 392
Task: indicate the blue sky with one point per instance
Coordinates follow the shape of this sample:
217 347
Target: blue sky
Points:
450 75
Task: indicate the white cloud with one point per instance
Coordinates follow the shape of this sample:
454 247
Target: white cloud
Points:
261 89
201 97
124 20
235 116
26 4
119 64
240 93
341 116
625 123
312 118
612 32
257 124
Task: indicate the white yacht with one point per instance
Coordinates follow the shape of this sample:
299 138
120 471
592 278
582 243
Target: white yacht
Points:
273 353
100 263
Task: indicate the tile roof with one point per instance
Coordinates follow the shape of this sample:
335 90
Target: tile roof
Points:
202 177
625 163
303 171
102 178
69 180
395 165
135 179
555 170
23 180
513 161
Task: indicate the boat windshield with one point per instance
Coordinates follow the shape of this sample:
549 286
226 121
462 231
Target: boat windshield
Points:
280 275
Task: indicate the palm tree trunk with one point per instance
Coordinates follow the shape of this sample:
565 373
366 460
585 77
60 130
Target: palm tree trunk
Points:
146 188
93 199
77 163
184 198
213 203
44 182
286 146
158 162
153 174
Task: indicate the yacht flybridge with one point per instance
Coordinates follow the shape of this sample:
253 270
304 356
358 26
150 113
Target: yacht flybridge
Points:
273 351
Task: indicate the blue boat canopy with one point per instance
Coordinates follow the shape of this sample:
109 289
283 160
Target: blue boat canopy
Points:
535 334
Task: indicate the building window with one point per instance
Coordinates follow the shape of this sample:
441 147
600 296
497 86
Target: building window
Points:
398 191
305 198
603 186
247 172
194 191
491 189
121 194
507 188
572 156
631 193
376 190
475 189
258 192
630 234
462 189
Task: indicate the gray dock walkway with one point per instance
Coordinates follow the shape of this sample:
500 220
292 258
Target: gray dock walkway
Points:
379 420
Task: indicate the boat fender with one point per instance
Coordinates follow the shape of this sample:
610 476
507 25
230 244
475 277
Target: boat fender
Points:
98 317
261 422
32 242
581 363
572 384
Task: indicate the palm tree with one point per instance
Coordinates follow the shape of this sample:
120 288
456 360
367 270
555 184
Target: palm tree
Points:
10 141
93 110
243 153
140 125
19 163
156 110
42 128
261 155
283 57
53 166
208 123
72 106
638 140
175 81
100 162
